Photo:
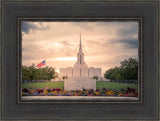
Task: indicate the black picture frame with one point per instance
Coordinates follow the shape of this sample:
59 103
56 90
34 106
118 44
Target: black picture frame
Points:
10 68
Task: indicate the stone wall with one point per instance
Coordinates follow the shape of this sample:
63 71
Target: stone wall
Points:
79 83
80 72
97 72
76 72
84 72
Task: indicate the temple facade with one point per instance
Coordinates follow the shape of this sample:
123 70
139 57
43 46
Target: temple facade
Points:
80 72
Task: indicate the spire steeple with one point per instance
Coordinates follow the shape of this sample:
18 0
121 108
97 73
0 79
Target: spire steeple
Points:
80 57
80 45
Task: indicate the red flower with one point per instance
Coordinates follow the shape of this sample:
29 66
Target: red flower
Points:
97 90
39 90
53 89
128 89
57 89
25 90
133 90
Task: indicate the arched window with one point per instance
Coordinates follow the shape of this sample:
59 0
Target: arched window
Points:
80 59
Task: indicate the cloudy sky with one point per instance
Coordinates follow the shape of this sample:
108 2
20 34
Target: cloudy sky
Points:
104 44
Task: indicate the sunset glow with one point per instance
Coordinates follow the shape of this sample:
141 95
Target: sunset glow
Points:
66 59
104 44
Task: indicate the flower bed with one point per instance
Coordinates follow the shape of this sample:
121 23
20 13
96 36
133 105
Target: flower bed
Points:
129 92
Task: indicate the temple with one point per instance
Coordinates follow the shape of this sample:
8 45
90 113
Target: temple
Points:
80 73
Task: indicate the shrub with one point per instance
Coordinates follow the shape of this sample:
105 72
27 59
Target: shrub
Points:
25 90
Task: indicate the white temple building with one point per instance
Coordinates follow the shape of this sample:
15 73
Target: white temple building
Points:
80 76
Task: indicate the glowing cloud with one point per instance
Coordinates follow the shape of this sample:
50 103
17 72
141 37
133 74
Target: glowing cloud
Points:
104 44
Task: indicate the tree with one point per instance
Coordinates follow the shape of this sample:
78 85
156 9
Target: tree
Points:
32 73
51 73
127 70
130 69
116 74
27 73
64 77
113 73
95 77
108 73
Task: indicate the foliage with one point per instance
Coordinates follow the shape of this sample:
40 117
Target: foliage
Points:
128 70
64 77
95 77
32 73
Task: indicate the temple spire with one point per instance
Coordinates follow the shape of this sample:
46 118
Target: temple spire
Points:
80 45
80 56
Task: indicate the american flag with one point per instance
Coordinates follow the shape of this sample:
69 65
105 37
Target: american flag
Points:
41 64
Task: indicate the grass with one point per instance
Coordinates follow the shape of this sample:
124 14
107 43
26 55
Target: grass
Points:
115 85
60 84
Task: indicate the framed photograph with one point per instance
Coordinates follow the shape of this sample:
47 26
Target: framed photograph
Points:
53 79
79 60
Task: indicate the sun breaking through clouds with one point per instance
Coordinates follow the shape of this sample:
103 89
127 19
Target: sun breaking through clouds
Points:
104 44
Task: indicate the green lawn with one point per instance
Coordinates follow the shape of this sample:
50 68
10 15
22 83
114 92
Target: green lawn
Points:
59 84
108 85
115 85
